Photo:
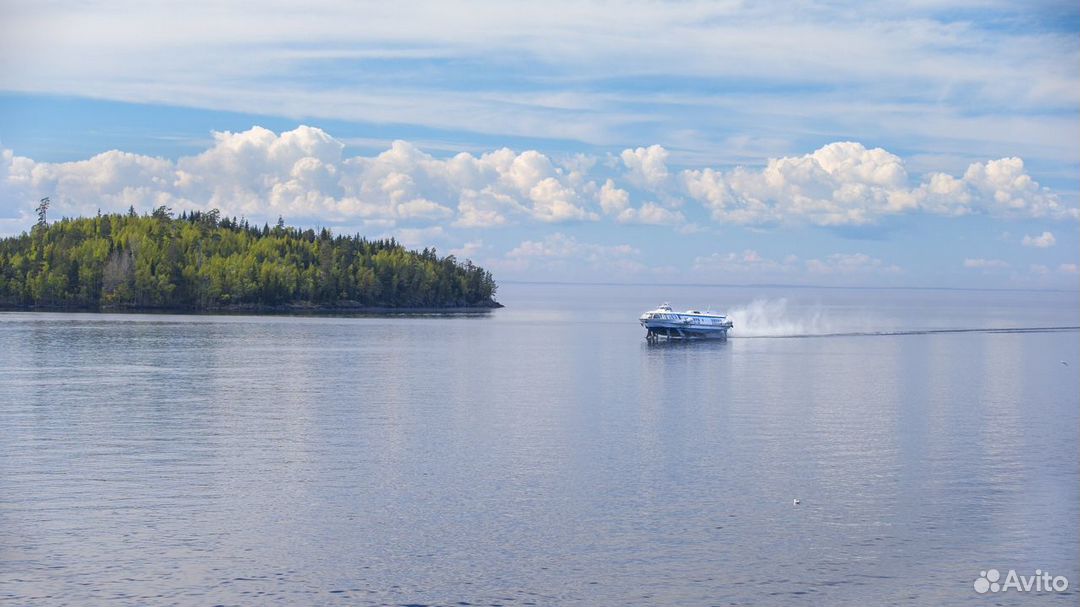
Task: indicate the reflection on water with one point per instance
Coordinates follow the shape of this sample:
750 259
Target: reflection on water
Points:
543 454
697 344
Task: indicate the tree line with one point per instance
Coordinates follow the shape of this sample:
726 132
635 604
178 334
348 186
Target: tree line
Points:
203 261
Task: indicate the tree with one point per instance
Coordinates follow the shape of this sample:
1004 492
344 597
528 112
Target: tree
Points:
43 212
201 261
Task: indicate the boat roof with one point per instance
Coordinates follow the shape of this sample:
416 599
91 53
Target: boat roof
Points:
667 308
697 313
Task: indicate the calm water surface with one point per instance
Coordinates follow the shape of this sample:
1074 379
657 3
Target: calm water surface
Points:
544 454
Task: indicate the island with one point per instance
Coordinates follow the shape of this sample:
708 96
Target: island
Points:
200 261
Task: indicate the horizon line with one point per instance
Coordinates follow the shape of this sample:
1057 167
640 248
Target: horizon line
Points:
782 285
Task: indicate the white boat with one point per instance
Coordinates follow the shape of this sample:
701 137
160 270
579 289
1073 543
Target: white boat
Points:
663 322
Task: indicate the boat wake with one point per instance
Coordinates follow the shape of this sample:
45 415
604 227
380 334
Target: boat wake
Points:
913 332
771 318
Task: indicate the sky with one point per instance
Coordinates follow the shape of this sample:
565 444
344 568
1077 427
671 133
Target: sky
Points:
925 144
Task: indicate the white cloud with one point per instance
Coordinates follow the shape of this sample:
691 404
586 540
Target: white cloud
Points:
560 256
554 202
569 256
1064 268
1042 241
468 250
560 246
985 264
749 261
845 183
850 263
613 200
416 238
304 175
651 213
999 187
485 209
839 184
647 167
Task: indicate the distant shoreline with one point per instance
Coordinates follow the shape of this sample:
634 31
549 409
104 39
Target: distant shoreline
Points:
256 309
753 285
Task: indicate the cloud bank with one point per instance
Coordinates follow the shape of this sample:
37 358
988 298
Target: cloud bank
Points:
304 174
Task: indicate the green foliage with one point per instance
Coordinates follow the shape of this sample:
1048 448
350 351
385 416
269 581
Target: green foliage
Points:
200 261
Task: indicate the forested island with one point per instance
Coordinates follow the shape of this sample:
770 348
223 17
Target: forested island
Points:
200 261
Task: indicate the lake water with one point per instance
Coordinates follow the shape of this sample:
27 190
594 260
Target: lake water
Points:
545 454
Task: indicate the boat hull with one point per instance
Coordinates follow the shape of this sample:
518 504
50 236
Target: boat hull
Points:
677 330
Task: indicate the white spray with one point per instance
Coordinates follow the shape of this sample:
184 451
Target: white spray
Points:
771 318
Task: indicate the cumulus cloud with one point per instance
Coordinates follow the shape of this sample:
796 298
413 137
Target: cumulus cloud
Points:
647 167
1004 188
839 184
613 200
845 183
303 174
651 213
1042 241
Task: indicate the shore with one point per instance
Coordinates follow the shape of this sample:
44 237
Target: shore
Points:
286 309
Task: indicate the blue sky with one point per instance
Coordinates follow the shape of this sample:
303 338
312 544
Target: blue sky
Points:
922 144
